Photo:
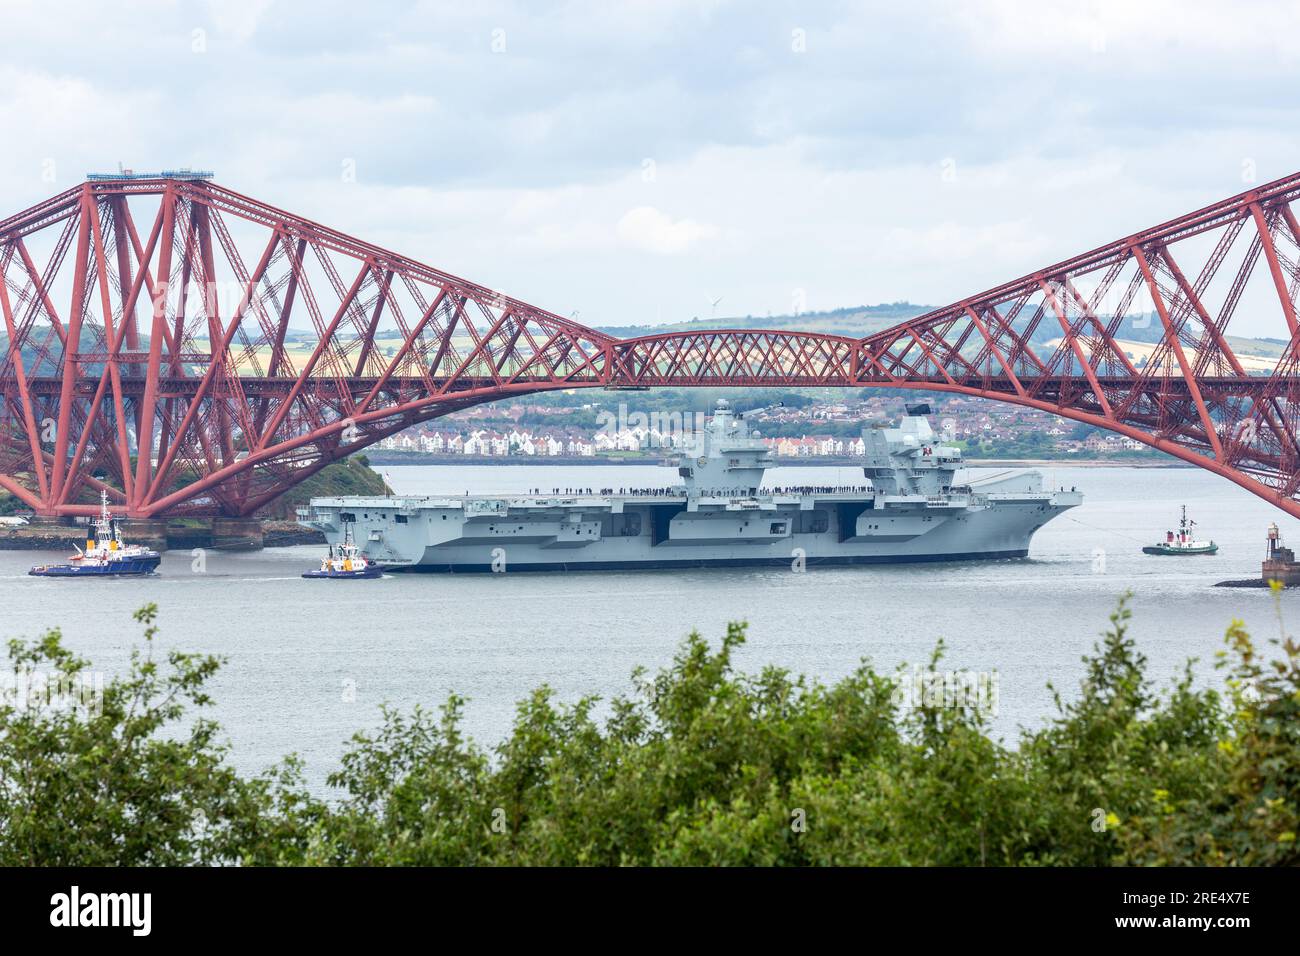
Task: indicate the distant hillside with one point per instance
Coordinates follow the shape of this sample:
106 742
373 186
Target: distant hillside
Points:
855 321
863 320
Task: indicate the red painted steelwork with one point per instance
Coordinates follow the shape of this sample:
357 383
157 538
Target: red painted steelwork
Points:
154 333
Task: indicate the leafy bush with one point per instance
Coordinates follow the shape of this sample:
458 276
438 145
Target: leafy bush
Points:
698 765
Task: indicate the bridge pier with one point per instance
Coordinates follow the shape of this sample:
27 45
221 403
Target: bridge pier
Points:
149 532
237 534
39 520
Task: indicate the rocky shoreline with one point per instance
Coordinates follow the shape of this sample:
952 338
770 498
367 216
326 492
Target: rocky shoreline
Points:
287 534
275 534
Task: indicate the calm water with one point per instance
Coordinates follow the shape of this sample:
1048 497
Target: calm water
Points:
309 662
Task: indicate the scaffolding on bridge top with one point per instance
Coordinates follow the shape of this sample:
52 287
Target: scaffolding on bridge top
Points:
130 174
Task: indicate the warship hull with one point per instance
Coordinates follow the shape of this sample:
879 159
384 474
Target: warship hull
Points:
465 535
912 508
655 564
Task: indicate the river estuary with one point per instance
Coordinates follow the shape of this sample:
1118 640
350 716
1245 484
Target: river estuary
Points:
309 662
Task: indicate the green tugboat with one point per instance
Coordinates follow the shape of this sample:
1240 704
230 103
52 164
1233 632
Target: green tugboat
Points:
1182 541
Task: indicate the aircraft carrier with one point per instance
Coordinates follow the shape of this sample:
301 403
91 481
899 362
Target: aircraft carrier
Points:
910 507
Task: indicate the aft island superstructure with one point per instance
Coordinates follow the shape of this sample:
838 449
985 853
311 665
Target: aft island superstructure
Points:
910 507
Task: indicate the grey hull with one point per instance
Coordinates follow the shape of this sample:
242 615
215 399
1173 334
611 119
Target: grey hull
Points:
691 564
538 534
913 509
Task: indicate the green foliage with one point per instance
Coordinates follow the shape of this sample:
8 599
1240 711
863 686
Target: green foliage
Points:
100 784
1246 811
698 765
352 476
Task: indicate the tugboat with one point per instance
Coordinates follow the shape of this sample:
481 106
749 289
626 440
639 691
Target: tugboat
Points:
1181 541
105 555
345 561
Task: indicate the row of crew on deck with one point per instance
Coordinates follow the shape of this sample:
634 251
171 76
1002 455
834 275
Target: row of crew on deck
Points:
677 491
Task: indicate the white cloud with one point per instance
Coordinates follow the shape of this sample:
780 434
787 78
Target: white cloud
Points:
646 227
241 19
773 170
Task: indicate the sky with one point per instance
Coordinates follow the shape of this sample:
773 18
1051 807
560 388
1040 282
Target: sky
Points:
640 162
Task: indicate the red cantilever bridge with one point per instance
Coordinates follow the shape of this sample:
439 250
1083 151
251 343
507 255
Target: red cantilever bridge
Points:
193 351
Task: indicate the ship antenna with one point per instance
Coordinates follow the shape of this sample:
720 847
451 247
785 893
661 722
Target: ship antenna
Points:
105 524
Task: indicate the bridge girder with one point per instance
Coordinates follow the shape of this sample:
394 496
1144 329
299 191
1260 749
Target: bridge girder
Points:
242 347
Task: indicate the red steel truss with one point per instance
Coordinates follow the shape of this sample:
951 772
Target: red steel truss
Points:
194 351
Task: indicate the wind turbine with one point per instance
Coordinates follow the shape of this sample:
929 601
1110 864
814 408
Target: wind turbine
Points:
713 303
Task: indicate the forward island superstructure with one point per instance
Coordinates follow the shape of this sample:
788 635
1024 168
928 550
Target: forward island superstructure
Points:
911 507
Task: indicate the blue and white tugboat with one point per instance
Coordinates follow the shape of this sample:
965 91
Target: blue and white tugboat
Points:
345 560
106 555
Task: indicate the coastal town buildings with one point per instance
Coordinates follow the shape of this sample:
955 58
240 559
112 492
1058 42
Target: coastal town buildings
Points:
830 429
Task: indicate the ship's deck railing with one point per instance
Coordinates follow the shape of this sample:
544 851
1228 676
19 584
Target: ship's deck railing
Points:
486 504
501 503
